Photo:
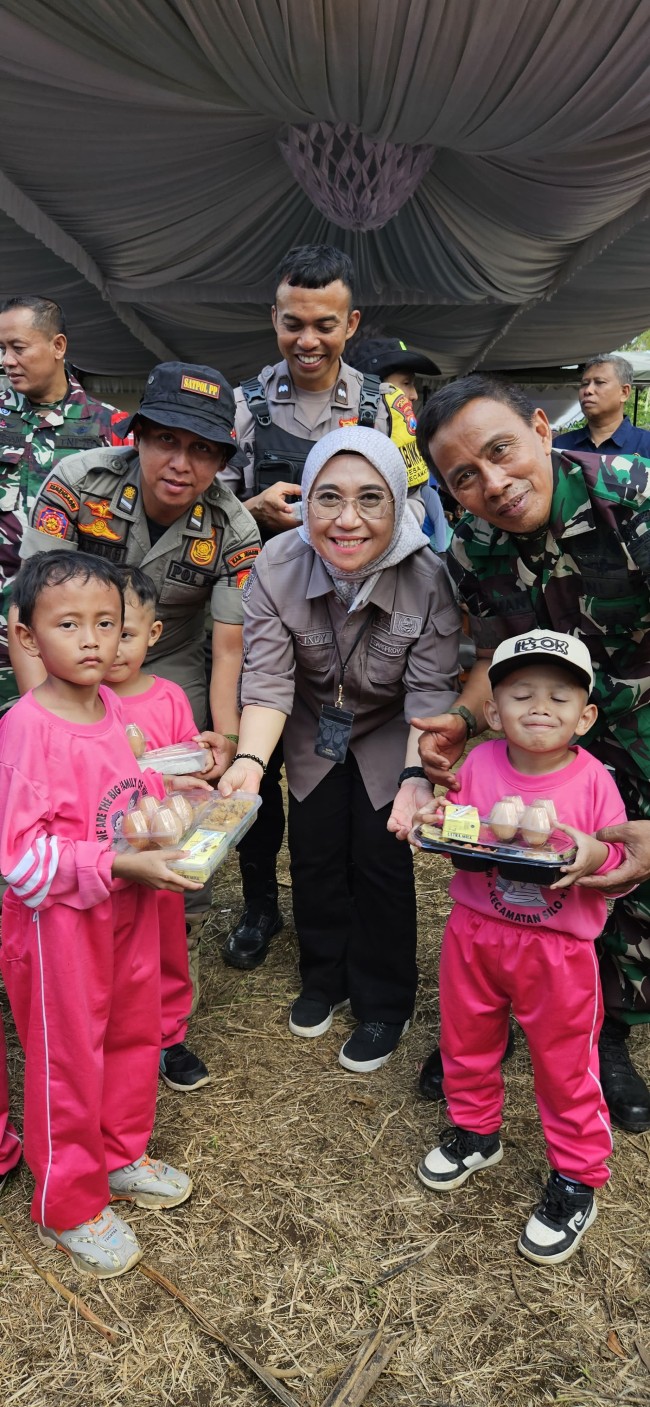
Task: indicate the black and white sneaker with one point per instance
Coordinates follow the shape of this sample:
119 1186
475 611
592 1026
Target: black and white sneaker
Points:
558 1224
459 1154
371 1045
182 1070
310 1016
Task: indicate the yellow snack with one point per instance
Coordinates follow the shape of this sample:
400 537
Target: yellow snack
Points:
202 850
461 823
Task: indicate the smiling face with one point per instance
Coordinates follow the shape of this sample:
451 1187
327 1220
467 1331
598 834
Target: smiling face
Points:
350 542
496 466
601 395
33 358
140 632
177 466
540 708
312 327
75 630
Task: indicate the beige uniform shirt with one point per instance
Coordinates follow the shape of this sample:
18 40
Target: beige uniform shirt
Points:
94 503
405 665
290 414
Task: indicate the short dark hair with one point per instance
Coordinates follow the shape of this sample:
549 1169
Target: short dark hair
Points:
135 581
623 369
47 316
444 404
54 569
314 266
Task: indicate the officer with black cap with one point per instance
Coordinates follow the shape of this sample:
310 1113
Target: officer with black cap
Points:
162 506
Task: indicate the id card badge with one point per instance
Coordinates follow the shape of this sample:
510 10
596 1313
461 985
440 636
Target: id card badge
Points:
334 729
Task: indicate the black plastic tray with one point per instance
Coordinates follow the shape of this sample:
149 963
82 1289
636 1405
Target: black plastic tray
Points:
522 862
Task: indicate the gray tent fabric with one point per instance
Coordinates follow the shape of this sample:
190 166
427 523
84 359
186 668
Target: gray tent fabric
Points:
143 182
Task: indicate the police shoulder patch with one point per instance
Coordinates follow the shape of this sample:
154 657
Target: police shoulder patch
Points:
54 489
52 521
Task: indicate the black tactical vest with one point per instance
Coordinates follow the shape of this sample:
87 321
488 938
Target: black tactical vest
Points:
279 457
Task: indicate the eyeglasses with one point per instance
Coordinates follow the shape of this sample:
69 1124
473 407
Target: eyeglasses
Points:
372 503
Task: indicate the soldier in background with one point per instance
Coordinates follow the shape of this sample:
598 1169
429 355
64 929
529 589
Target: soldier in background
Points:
45 415
558 539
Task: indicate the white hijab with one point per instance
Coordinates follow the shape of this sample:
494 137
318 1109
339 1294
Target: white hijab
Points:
354 587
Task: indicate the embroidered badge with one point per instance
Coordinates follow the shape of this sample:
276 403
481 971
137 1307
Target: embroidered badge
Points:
52 521
341 392
283 389
349 420
196 517
204 550
315 637
404 408
58 490
200 388
101 512
242 578
245 554
382 647
405 625
127 499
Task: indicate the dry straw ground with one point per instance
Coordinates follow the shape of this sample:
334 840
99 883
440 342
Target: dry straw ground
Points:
307 1228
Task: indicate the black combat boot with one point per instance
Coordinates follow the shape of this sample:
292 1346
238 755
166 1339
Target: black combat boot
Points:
626 1093
430 1081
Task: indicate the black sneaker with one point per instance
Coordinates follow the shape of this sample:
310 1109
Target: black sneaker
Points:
558 1224
181 1069
247 945
310 1016
626 1093
371 1045
430 1078
459 1154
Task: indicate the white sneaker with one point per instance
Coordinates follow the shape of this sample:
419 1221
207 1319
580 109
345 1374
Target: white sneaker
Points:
557 1226
149 1183
105 1246
459 1154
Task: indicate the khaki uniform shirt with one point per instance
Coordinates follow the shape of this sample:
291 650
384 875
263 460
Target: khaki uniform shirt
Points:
94 503
405 665
290 414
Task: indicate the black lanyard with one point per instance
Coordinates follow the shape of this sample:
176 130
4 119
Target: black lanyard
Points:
345 662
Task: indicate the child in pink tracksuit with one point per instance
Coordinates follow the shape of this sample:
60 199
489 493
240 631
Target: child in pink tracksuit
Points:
508 944
162 712
80 950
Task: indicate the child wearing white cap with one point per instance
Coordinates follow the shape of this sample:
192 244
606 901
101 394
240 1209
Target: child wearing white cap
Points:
517 946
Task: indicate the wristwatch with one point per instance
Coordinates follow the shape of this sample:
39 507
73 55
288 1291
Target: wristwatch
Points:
468 719
409 772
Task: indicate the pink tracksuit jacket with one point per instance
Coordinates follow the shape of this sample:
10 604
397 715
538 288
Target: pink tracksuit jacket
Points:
164 715
509 945
80 954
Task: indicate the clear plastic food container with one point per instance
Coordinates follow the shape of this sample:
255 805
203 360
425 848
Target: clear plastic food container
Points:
177 759
220 825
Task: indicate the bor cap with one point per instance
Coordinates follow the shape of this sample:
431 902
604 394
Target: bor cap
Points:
542 647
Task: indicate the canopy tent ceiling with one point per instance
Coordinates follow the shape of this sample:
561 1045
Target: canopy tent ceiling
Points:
151 171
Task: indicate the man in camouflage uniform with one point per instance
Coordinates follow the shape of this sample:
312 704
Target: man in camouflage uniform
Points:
557 539
45 415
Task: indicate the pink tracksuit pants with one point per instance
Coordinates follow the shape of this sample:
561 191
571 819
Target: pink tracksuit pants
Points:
84 987
175 983
551 982
10 1148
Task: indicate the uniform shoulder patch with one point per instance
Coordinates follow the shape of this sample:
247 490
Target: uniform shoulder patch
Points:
243 554
54 489
204 550
406 625
127 499
52 521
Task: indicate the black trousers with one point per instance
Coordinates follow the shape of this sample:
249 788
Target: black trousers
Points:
353 899
259 849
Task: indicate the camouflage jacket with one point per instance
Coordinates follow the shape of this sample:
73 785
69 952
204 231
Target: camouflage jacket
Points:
586 573
33 440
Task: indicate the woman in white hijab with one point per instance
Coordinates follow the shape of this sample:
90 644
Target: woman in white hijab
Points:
351 630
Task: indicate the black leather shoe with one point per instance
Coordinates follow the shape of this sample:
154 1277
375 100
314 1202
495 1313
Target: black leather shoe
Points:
430 1081
626 1094
247 945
